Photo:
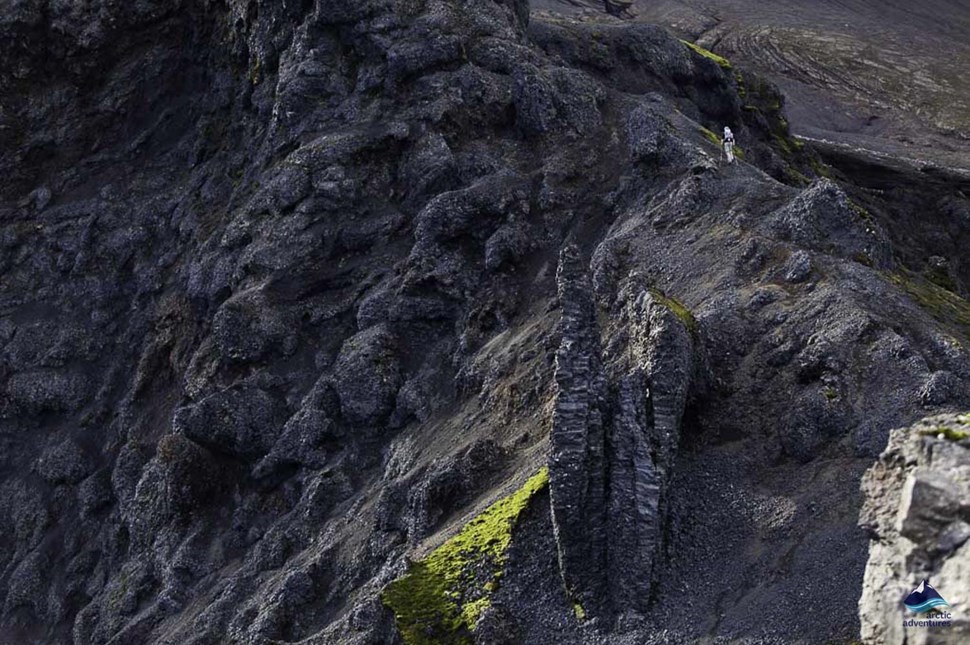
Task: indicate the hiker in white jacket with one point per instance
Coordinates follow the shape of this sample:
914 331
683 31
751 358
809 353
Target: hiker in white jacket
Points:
729 144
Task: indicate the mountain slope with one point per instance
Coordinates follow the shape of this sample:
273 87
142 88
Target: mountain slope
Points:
881 76
291 292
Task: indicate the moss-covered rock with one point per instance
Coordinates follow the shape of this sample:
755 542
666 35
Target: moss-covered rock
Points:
720 60
440 598
677 308
958 429
944 305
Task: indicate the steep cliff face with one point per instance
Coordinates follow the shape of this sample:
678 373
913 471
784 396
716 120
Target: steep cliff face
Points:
290 292
615 431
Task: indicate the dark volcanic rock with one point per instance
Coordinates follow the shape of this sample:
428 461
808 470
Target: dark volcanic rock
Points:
65 463
823 219
578 466
367 376
615 431
292 291
241 421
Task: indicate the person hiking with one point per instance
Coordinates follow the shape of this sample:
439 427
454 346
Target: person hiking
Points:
729 144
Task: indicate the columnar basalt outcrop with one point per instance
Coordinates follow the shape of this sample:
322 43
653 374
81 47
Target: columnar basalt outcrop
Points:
652 377
280 314
578 469
615 431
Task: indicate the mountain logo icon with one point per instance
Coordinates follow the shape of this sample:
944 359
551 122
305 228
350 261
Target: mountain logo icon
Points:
925 598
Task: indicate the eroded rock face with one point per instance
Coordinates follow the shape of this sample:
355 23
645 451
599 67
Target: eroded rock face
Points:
917 513
823 219
615 432
279 308
578 464
367 376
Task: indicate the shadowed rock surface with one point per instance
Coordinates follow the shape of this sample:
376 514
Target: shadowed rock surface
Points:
615 430
292 291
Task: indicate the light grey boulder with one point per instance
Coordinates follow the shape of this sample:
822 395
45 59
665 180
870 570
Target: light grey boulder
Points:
917 512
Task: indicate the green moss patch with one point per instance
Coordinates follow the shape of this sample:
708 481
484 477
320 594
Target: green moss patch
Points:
579 611
959 431
940 277
720 60
796 177
256 72
859 210
677 308
710 136
739 81
819 168
782 144
944 305
946 432
440 598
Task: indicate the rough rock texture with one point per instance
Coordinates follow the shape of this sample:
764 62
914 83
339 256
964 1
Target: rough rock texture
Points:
822 218
917 513
615 430
578 470
279 312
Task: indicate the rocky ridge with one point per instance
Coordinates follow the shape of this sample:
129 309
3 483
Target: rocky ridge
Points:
279 314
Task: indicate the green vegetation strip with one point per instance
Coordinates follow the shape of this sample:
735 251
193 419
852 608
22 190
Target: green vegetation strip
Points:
944 305
440 598
676 307
720 60
946 432
950 433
